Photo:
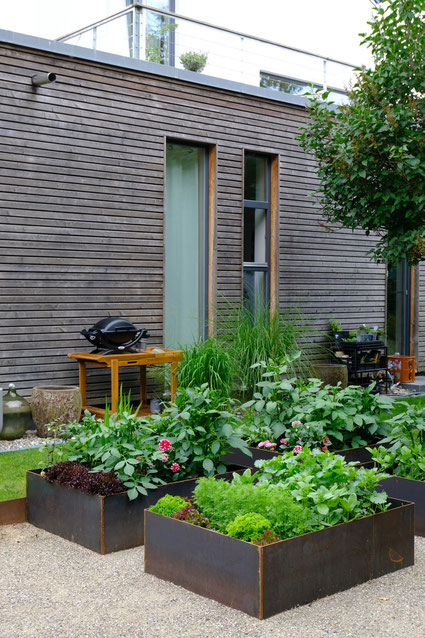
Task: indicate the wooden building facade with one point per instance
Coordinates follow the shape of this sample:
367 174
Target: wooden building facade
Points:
82 183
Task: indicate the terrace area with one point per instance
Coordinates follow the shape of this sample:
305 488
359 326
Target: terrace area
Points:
173 40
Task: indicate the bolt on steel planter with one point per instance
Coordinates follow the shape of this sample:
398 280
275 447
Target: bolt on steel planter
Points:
408 490
104 524
263 581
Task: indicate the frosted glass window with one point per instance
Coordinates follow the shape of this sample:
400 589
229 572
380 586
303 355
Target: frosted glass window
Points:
186 230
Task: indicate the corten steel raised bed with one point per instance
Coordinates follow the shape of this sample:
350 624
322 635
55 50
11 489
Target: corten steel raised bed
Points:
104 524
408 490
13 511
359 454
263 581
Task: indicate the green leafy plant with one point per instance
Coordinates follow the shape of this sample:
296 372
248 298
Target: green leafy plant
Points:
261 335
370 153
287 412
335 325
168 505
157 42
221 502
248 527
405 452
206 362
331 489
194 61
186 440
201 427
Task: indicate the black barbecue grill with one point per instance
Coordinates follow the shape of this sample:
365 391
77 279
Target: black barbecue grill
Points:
114 334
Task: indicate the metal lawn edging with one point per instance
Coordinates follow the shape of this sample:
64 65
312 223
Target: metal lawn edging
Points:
13 511
263 581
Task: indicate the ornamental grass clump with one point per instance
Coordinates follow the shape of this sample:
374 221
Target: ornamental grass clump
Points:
206 361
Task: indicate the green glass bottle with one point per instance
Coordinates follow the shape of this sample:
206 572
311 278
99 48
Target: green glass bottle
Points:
16 415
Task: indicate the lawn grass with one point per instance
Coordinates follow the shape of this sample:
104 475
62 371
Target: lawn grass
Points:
418 401
13 466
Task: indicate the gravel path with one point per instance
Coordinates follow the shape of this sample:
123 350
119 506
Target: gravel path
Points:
51 588
30 439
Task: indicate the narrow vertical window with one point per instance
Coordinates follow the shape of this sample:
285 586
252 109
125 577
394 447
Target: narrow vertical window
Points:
256 233
186 245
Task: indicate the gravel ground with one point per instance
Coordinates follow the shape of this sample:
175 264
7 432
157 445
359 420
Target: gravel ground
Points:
30 439
51 588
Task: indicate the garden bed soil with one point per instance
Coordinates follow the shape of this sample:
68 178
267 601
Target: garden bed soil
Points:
13 511
408 490
263 581
104 524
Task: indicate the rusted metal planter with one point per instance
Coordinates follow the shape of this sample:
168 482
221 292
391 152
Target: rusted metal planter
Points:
359 454
13 511
104 524
408 490
263 581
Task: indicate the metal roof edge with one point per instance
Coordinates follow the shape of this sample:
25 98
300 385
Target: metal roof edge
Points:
110 59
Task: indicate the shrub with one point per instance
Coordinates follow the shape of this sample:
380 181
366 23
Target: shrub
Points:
168 505
221 502
194 61
248 527
206 362
79 477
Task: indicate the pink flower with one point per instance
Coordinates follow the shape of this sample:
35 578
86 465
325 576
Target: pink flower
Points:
297 449
294 423
164 458
175 467
164 445
283 441
266 444
139 458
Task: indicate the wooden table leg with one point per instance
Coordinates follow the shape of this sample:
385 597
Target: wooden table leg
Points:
114 385
143 390
173 380
82 375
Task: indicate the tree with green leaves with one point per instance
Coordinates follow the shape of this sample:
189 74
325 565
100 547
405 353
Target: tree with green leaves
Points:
370 152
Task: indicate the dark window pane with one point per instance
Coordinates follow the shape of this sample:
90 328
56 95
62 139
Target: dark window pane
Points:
254 289
255 235
255 178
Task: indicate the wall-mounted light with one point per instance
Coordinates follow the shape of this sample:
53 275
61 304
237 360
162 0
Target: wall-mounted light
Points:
43 78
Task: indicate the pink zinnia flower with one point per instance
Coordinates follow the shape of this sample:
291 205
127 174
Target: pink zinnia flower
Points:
283 441
175 467
164 458
164 445
297 449
296 423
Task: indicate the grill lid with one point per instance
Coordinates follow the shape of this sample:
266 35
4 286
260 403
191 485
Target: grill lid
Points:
115 334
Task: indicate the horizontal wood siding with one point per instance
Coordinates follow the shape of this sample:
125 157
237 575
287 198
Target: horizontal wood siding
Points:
82 202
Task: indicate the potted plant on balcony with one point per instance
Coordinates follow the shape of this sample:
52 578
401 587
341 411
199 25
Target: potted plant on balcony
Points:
194 61
261 543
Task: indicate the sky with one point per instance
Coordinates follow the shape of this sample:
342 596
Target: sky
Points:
326 27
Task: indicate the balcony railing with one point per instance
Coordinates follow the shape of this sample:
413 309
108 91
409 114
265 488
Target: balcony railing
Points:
162 37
